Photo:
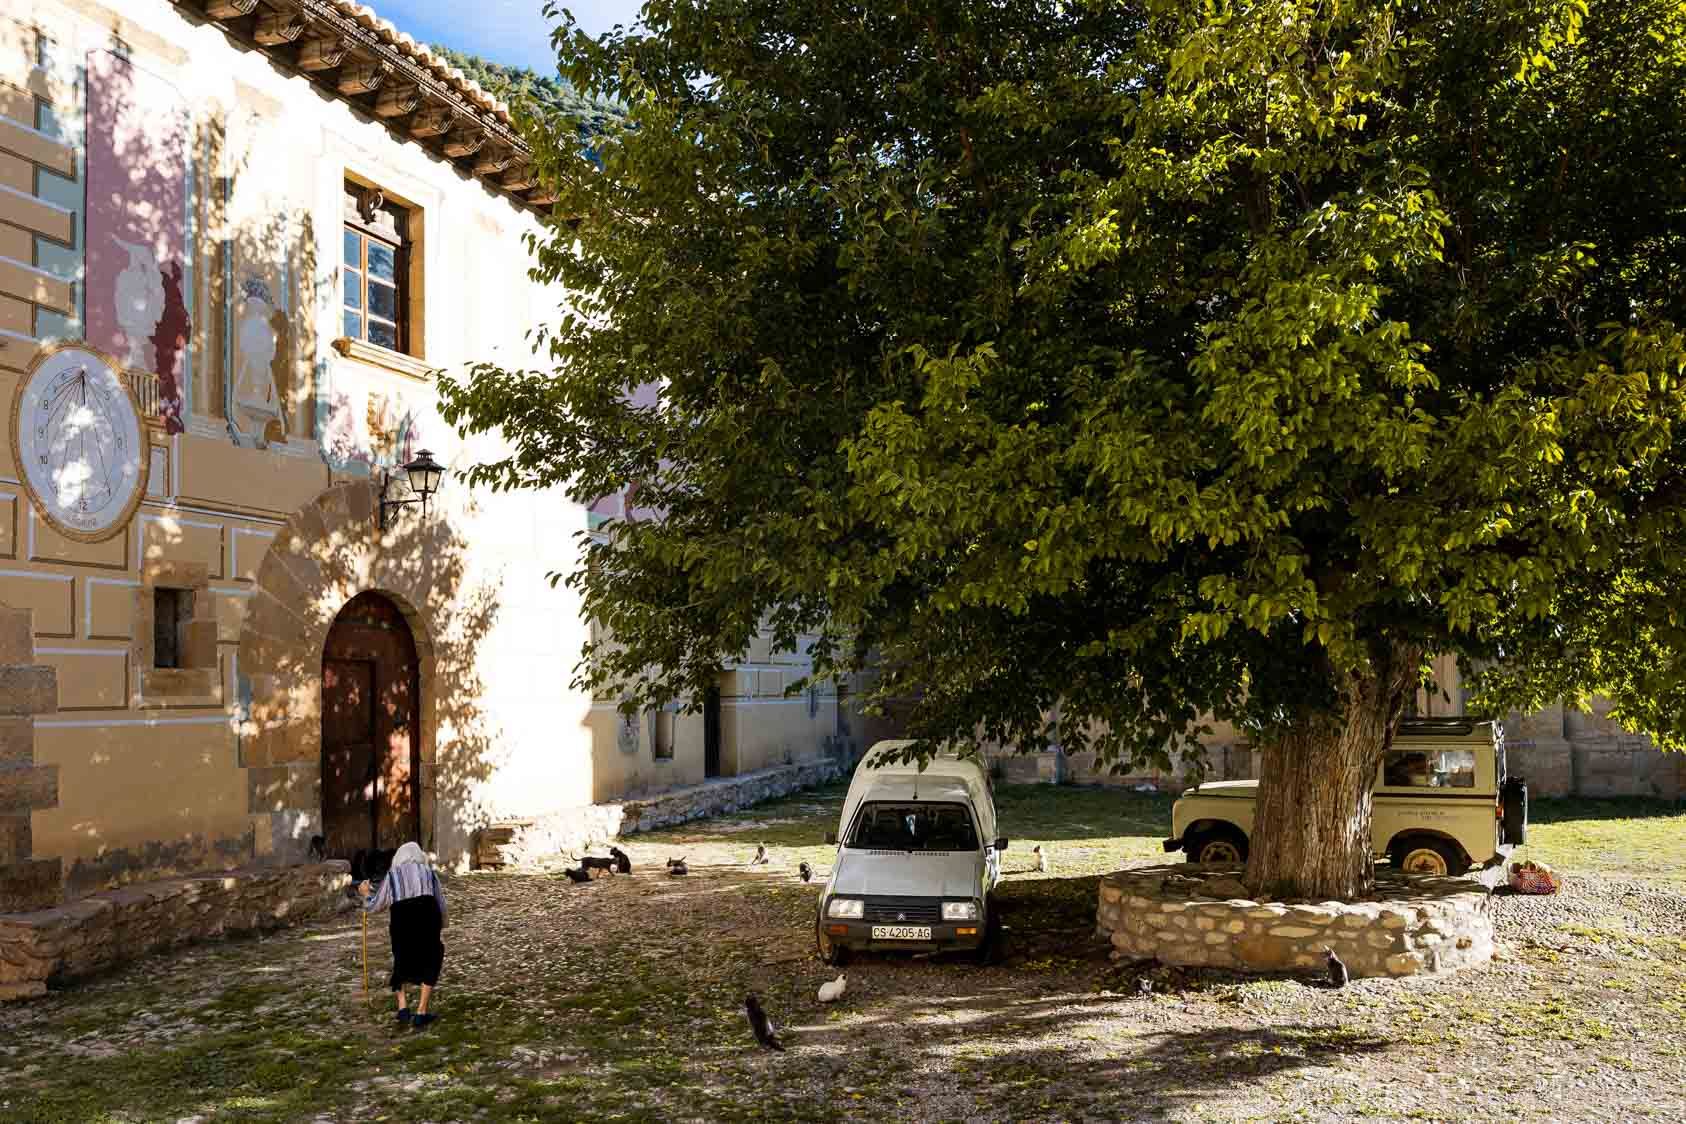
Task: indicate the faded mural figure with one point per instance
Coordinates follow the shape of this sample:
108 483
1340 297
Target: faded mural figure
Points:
138 197
138 300
256 401
168 342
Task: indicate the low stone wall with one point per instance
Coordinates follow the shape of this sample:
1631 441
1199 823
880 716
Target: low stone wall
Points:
1201 916
109 928
573 830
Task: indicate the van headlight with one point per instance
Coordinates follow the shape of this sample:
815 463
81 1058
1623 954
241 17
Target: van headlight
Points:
960 911
846 908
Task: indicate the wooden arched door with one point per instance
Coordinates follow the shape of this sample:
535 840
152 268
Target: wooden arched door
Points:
371 744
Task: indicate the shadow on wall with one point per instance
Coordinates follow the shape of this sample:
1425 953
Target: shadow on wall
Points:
326 555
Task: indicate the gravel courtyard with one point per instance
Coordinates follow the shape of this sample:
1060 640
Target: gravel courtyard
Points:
620 1000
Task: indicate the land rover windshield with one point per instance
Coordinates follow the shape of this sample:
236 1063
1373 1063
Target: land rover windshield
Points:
884 826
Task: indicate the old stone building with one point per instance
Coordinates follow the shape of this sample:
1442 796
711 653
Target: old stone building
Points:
236 239
1559 751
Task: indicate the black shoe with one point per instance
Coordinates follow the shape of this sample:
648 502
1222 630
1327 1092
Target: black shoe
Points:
421 1022
405 1015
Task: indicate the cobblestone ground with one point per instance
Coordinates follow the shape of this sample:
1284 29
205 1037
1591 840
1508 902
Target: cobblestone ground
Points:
619 1000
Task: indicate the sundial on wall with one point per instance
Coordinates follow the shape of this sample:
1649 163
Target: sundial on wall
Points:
82 451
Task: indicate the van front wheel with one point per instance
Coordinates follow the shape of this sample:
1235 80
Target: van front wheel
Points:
833 954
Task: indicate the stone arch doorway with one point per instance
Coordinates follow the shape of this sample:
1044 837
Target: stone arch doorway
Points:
371 726
327 555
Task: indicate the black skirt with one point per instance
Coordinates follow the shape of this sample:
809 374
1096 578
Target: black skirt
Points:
417 951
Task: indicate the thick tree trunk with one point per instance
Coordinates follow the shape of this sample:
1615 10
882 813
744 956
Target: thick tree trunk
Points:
1311 832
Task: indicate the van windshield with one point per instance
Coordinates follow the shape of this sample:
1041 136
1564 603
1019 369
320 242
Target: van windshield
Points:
925 826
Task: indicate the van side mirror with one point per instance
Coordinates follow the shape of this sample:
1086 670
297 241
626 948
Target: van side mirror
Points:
1001 843
831 838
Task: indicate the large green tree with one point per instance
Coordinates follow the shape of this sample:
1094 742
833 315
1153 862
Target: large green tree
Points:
1165 359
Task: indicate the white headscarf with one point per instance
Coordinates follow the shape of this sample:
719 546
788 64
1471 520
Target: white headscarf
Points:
411 853
411 876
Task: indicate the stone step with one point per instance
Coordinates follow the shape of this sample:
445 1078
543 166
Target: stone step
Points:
497 845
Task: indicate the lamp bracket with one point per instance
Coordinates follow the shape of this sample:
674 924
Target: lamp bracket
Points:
386 504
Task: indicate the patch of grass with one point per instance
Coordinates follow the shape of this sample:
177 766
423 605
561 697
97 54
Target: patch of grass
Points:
1110 817
1636 838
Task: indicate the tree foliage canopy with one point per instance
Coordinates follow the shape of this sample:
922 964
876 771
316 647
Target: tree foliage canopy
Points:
1164 359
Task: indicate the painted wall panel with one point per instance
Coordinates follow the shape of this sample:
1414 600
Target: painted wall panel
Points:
24 281
138 799
24 141
247 546
216 472
95 680
51 596
181 538
8 526
16 315
109 608
47 545
19 208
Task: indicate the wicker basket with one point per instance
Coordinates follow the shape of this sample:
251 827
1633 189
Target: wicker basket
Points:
1534 882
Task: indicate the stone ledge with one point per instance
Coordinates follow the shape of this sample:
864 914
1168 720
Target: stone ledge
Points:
110 928
520 842
1196 915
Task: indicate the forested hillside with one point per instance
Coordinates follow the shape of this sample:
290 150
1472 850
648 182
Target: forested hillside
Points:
552 93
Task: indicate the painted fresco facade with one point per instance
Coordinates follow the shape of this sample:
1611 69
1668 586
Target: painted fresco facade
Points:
268 222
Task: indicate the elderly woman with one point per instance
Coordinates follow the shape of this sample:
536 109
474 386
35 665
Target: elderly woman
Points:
412 890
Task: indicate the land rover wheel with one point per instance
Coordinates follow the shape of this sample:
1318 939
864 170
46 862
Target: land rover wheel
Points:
1216 845
1419 854
833 954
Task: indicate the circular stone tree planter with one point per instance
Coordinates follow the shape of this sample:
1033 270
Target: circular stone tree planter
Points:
1201 916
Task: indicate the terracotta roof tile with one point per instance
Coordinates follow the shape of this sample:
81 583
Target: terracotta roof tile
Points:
390 35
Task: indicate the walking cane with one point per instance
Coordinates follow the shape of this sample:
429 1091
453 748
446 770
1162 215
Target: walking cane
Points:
365 920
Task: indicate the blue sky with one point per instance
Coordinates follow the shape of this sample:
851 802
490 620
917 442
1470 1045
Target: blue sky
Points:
513 32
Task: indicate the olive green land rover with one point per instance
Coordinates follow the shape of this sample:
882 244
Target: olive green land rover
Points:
1443 803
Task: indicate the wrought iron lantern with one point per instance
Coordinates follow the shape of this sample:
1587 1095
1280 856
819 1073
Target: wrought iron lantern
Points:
424 475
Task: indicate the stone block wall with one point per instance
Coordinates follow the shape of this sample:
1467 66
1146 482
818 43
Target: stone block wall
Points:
1201 916
1558 752
106 929
1228 760
26 690
569 832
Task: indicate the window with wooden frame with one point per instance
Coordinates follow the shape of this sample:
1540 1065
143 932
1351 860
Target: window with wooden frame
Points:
376 269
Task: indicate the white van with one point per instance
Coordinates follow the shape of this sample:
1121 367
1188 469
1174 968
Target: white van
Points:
917 859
